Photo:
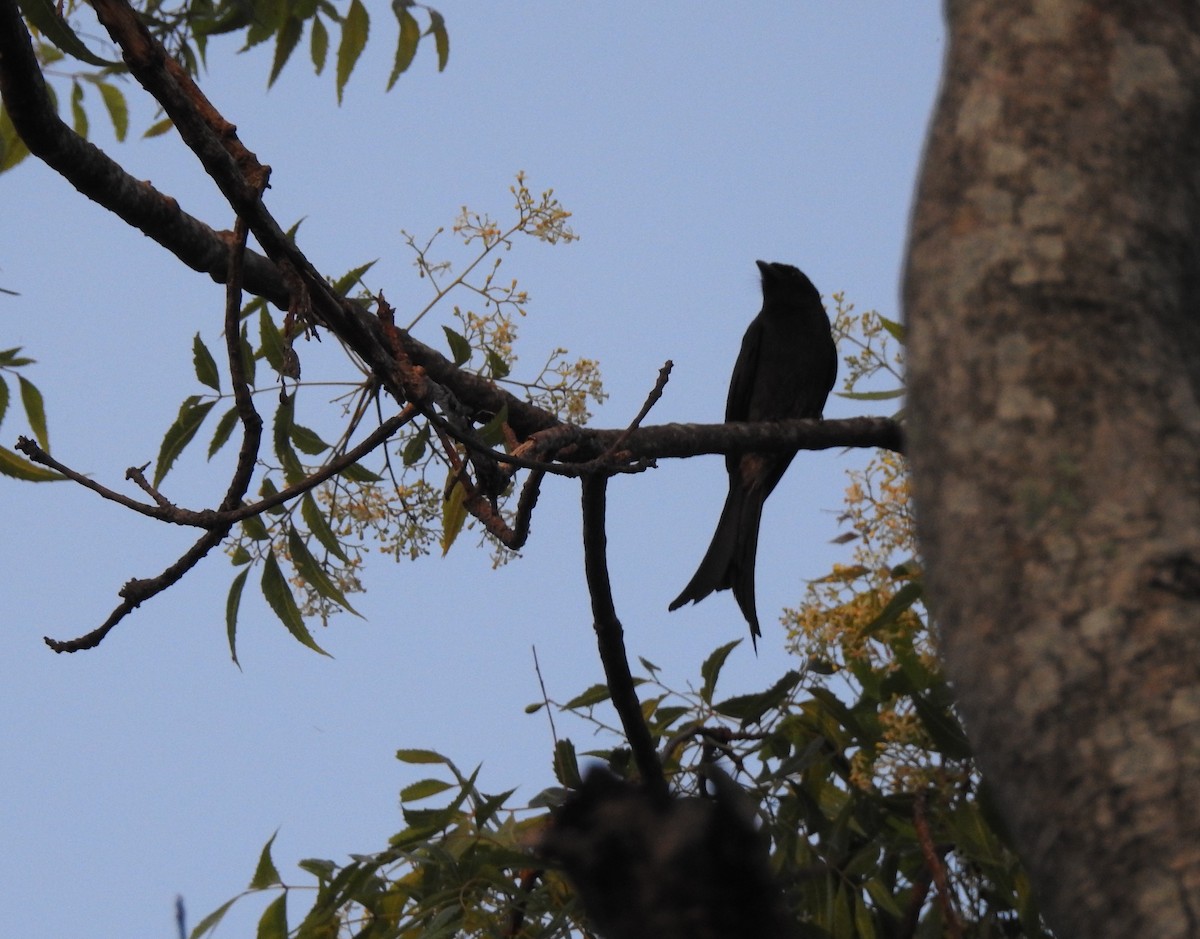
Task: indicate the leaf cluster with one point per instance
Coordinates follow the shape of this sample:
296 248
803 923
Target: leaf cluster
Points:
67 49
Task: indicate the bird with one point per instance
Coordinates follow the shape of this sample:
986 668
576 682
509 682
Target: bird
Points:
785 369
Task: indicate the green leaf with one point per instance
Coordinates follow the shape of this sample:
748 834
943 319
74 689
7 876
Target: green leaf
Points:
293 472
593 695
16 466
406 46
351 277
308 441
278 594
492 433
897 330
224 429
711 669
191 415
247 355
266 875
566 764
496 365
266 490
454 516
441 38
232 602
319 45
285 44
35 411
356 472
79 119
355 26
313 573
319 867
318 524
872 395
158 128
749 708
273 924
43 15
414 449
213 919
10 358
943 728
272 340
460 349
118 109
12 147
255 529
4 393
421 757
903 599
423 789
205 364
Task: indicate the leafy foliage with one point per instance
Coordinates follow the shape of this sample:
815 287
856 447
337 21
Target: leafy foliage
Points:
879 822
186 30
13 464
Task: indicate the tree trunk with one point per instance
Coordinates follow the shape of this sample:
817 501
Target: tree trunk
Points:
1053 299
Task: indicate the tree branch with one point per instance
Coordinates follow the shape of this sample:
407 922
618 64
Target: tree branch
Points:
610 636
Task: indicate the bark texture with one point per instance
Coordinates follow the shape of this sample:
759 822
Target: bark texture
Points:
1053 299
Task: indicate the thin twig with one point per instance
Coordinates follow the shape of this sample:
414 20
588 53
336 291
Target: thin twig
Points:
610 636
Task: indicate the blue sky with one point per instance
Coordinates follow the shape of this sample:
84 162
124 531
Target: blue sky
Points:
688 140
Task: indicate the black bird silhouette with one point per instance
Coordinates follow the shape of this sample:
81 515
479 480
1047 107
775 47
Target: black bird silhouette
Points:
785 369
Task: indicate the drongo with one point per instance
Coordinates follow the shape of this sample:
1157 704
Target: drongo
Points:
785 369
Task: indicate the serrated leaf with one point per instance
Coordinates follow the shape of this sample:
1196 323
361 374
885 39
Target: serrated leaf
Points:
118 109
460 349
232 602
308 441
711 669
441 38
750 707
191 415
224 429
293 471
266 490
35 411
16 466
278 594
343 284
273 924
313 573
566 764
265 874
205 364
43 15
213 919
414 448
454 516
318 524
593 695
255 529
423 789
285 44
355 27
319 45
269 334
406 45
356 472
319 867
420 756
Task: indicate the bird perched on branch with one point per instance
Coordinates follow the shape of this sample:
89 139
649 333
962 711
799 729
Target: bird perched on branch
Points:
785 369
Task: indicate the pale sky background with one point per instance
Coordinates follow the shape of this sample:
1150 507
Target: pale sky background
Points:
688 139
